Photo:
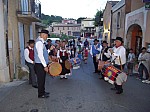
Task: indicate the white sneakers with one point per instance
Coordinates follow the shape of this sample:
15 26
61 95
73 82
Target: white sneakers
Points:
146 81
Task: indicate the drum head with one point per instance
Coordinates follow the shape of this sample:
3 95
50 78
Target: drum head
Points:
68 64
55 69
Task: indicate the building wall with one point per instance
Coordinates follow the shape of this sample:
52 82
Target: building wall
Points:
66 29
139 17
4 68
147 32
136 4
107 22
13 36
118 31
87 23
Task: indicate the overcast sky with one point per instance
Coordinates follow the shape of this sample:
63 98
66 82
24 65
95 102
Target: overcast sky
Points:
72 8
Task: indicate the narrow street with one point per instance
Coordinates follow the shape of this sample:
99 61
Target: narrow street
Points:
82 92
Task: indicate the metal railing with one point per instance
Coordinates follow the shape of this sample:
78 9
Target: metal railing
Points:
29 7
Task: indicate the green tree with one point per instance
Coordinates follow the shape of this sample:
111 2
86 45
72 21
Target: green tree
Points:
48 20
98 16
80 19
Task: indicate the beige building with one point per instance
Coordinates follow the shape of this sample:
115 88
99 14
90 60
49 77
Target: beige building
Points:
107 20
137 26
20 22
119 12
67 29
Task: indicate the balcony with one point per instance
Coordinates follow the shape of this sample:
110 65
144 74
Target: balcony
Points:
29 10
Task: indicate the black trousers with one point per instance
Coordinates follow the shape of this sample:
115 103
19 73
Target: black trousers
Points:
119 87
41 74
95 64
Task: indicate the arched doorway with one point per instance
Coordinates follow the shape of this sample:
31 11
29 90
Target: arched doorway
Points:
134 38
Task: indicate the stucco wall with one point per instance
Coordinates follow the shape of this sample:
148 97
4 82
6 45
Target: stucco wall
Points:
13 34
140 17
118 31
136 4
147 33
107 22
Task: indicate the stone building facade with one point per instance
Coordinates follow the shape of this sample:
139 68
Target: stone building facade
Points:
107 20
20 20
137 28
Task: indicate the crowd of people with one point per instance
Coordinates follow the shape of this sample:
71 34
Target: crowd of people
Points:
38 55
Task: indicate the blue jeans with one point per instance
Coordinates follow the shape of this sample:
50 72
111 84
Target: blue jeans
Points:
141 69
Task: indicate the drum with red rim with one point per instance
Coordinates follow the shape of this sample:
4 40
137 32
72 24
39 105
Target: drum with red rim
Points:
55 69
113 74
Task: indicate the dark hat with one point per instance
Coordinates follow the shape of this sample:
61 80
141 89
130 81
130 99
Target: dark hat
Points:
96 40
49 40
120 39
31 42
105 42
143 48
45 31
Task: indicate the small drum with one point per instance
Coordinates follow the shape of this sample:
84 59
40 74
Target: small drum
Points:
68 64
101 64
113 74
55 69
75 61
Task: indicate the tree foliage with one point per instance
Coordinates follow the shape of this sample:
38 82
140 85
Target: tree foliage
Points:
48 20
80 19
98 16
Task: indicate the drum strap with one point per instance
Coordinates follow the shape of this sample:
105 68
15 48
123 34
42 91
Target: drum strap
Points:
120 63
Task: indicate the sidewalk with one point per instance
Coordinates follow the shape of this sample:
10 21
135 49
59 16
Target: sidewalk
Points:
6 88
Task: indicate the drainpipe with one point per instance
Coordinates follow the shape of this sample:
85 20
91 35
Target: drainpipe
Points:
111 27
13 55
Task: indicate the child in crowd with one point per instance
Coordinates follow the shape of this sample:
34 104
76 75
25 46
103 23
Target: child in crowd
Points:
85 54
131 58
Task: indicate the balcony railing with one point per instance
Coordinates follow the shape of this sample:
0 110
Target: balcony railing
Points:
30 8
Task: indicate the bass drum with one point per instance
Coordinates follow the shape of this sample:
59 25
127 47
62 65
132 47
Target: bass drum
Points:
55 69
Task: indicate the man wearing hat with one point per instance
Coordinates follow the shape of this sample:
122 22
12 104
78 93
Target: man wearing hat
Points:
119 57
41 61
104 54
95 51
29 59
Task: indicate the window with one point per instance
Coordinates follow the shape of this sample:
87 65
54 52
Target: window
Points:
58 28
118 19
69 33
68 28
63 28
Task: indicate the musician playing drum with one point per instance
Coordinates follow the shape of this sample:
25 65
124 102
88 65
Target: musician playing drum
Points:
63 55
103 56
119 56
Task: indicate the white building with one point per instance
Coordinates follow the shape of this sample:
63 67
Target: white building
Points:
88 28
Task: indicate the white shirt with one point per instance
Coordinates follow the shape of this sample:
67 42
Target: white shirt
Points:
26 55
40 46
119 52
131 56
